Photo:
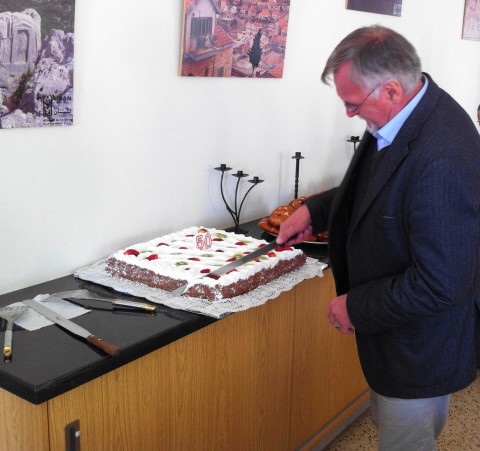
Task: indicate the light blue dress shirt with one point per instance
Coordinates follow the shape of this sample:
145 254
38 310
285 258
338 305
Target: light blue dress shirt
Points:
387 133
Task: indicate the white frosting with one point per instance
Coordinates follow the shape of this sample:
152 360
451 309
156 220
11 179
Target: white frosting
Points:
175 262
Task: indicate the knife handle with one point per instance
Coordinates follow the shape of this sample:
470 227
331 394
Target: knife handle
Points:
103 345
7 345
122 302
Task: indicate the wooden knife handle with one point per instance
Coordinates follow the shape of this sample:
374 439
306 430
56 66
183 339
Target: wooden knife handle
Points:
103 345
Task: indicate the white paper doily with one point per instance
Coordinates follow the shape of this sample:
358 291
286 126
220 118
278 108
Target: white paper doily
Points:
217 309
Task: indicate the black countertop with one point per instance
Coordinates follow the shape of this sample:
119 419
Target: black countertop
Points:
50 361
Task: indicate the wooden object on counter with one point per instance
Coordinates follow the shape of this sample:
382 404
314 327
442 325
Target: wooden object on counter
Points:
274 377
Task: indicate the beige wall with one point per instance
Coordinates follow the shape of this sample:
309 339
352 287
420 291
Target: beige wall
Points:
138 161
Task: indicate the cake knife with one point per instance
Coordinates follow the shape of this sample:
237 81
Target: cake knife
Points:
85 294
232 265
71 326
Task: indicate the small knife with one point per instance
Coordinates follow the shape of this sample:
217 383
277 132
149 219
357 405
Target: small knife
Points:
228 267
85 294
71 326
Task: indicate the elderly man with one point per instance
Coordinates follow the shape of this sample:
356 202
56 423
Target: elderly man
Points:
404 236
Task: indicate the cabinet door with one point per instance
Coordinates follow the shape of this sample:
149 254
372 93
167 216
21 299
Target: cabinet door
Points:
23 426
327 379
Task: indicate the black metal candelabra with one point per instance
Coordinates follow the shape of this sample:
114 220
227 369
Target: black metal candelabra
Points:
298 157
235 212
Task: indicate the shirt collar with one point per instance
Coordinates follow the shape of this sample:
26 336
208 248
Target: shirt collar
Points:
387 133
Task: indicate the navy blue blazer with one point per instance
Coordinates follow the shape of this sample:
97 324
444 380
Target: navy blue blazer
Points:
410 259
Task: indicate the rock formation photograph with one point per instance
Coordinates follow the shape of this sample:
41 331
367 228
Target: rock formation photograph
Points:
36 63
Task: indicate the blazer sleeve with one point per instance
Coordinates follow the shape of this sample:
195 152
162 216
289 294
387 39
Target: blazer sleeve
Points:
319 207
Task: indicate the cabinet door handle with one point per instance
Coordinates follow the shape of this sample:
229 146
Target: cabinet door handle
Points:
72 436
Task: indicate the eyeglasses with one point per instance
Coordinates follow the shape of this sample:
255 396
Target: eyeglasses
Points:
353 108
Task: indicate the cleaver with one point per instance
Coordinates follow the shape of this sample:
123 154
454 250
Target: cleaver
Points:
241 261
71 326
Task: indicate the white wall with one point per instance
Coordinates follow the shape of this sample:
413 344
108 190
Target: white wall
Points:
138 161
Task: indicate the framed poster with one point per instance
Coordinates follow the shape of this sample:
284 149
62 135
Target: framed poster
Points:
471 20
388 7
234 38
36 63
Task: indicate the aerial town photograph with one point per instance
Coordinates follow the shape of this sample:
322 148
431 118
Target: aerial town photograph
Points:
234 38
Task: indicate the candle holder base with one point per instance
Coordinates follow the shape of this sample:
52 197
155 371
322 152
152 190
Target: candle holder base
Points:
237 229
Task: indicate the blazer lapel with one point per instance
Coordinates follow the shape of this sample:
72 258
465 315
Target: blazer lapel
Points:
347 185
398 150
396 153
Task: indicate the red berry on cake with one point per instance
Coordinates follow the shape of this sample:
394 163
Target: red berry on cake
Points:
204 271
162 244
271 254
183 247
132 252
240 243
202 230
219 250
194 259
217 239
152 257
281 249
231 259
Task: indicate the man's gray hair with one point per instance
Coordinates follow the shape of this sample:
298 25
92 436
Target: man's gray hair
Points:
378 54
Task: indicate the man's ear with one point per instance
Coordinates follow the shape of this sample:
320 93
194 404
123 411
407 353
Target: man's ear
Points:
393 91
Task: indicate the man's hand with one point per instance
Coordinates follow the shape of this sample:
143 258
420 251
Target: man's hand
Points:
338 316
296 228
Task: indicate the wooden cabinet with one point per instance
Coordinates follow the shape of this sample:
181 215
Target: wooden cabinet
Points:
23 426
270 378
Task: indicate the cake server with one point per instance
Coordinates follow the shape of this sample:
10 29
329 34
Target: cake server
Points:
232 265
71 326
85 294
10 314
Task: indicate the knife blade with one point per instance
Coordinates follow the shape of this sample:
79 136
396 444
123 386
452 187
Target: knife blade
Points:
85 294
71 326
228 267
92 304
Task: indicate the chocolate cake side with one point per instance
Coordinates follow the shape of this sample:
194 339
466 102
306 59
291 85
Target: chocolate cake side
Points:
201 290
